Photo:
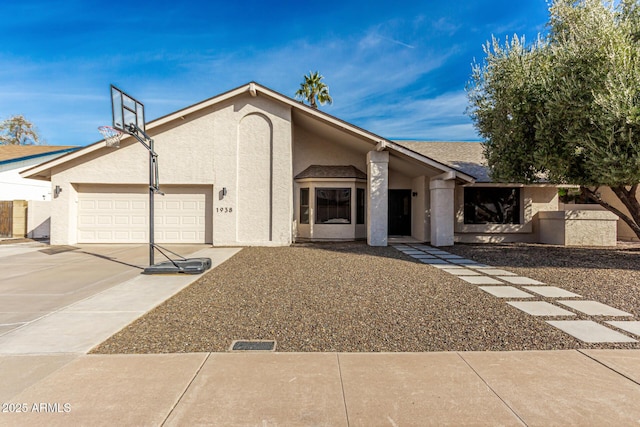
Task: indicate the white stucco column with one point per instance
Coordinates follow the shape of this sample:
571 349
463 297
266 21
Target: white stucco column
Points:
442 210
378 197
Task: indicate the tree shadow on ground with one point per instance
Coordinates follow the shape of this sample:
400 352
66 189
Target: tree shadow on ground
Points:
529 255
524 255
359 247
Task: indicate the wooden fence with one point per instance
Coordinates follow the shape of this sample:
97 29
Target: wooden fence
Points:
6 219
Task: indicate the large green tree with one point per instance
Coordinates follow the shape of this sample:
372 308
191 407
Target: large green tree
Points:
566 108
314 90
17 130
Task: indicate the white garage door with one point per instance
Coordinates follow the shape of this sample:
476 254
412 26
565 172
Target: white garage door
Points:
120 214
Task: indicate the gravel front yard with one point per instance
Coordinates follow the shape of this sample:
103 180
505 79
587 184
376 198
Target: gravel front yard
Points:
349 297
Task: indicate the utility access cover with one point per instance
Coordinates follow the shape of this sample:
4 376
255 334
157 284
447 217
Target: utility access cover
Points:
253 345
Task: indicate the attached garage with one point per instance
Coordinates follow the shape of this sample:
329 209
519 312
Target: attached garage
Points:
120 214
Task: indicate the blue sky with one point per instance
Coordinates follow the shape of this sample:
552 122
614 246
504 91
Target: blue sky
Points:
397 69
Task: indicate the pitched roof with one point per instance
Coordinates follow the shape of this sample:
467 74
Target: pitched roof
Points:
467 157
16 153
322 171
43 171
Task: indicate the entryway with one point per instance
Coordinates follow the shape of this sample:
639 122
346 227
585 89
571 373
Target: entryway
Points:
399 213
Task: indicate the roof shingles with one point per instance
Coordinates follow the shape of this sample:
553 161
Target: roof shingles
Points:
322 171
16 152
467 157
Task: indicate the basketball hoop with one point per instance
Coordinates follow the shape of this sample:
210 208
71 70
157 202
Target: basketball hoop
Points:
111 135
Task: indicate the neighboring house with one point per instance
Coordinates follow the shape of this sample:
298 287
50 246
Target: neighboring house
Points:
16 158
254 167
24 206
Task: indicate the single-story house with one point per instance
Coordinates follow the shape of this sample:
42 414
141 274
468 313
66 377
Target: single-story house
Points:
24 202
16 158
254 167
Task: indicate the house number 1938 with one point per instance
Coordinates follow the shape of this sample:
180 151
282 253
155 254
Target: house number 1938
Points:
224 210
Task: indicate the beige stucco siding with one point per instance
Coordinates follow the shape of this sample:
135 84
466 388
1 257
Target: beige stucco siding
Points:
420 209
311 149
624 231
578 228
399 181
240 126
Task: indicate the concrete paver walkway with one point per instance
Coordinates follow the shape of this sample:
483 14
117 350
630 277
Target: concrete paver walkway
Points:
595 387
503 282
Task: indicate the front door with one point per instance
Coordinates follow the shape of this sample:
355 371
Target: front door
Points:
400 212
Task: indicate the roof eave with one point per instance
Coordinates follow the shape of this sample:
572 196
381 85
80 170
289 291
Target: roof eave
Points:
43 171
35 156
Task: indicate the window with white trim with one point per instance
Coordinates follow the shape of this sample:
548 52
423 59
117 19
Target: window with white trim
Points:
304 206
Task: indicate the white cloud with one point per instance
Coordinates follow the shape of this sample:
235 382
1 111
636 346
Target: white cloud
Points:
441 118
379 79
444 25
369 78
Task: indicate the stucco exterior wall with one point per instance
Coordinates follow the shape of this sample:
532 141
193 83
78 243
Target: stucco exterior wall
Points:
238 126
442 197
420 209
623 230
377 198
216 146
38 219
311 149
399 181
578 228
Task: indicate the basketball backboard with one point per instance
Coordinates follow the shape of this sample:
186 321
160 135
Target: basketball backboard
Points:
126 111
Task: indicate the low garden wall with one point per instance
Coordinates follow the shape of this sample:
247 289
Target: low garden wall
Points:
578 228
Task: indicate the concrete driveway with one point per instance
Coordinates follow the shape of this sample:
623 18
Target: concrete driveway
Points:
66 299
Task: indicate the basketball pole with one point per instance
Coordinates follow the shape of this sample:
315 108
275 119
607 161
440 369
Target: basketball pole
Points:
151 206
134 130
125 109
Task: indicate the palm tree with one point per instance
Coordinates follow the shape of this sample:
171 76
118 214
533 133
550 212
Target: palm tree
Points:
312 88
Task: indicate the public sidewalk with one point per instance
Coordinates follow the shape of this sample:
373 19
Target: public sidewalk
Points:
595 387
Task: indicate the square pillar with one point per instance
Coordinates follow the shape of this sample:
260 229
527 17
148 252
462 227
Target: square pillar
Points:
377 197
442 211
421 223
